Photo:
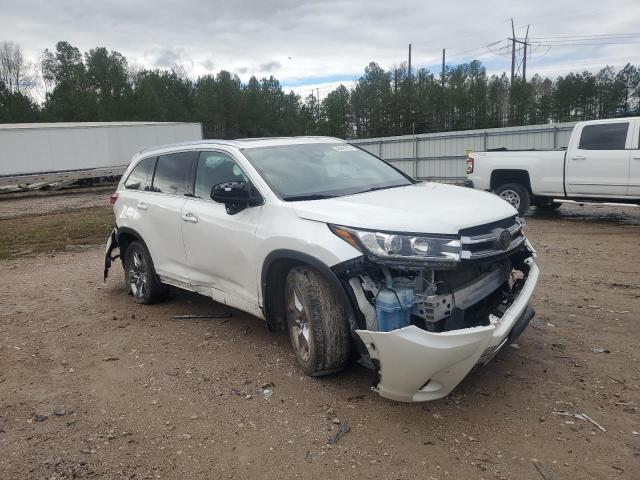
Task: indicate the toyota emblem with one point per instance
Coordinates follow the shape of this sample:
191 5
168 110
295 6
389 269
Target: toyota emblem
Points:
503 242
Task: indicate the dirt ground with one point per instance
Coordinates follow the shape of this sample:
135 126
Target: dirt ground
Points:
95 386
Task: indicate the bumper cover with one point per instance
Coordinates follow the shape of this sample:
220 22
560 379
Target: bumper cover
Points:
416 365
112 244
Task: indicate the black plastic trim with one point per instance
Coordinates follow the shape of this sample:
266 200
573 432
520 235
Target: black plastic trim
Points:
285 254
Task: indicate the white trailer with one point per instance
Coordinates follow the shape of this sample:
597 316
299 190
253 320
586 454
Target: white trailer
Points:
44 153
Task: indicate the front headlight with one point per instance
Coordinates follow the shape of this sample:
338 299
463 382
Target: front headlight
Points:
402 247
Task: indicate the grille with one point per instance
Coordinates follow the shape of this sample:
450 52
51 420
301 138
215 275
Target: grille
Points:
484 240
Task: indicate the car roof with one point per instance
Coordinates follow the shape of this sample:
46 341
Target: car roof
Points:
244 143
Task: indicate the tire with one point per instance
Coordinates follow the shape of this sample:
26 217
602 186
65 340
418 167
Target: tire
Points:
517 195
548 205
317 322
140 275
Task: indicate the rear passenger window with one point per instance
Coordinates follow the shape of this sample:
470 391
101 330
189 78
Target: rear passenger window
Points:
172 172
140 176
604 136
214 168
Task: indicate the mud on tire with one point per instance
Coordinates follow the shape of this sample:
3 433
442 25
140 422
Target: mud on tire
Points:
317 322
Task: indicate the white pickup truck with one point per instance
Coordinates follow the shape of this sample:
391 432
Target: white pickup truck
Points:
601 164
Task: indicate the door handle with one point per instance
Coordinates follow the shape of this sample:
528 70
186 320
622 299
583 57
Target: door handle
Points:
578 157
190 217
142 206
636 157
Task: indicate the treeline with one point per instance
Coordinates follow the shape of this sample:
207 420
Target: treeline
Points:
100 85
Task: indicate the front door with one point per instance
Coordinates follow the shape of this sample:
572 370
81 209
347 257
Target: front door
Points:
220 247
598 163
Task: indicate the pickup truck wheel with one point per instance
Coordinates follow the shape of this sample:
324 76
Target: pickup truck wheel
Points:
140 275
516 194
317 322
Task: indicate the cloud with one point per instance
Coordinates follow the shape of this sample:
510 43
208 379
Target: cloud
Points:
208 65
270 67
169 58
312 39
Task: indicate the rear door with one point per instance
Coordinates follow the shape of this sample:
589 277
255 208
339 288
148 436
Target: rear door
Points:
634 163
598 159
163 234
133 200
220 247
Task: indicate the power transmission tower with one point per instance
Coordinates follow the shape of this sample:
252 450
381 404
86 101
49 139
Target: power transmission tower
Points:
513 51
515 65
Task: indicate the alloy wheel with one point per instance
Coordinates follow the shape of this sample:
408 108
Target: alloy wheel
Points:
138 275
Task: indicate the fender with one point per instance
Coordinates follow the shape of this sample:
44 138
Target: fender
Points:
270 299
120 231
115 241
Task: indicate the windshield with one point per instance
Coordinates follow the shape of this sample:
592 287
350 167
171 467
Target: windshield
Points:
322 170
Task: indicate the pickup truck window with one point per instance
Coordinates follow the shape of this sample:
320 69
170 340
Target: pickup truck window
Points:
171 173
604 136
140 176
214 168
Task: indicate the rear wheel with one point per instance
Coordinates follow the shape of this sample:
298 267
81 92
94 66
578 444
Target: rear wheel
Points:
317 322
517 195
140 275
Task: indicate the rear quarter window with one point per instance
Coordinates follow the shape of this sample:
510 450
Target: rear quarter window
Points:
604 136
140 176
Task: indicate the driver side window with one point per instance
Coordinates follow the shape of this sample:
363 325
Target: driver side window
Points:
214 168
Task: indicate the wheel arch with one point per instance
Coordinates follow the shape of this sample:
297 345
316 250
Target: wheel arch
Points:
125 236
274 273
502 176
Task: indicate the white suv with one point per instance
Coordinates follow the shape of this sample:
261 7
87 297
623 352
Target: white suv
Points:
418 281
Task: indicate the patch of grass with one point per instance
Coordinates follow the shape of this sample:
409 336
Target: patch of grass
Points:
55 231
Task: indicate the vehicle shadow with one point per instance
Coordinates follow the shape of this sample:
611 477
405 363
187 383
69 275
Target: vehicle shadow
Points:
591 213
483 384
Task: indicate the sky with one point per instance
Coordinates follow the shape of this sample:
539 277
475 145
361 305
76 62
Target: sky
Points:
311 45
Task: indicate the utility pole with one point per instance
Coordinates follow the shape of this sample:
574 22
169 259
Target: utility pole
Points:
409 61
513 51
442 74
318 106
524 59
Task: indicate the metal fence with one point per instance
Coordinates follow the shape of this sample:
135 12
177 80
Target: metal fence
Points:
442 156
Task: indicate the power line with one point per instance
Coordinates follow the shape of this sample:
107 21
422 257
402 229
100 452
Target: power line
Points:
596 35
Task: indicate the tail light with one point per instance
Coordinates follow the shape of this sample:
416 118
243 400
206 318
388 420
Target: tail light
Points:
469 165
113 198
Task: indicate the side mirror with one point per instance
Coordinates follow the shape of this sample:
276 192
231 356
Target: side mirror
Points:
235 195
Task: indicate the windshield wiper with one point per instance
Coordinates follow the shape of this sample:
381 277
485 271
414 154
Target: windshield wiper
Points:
314 196
373 189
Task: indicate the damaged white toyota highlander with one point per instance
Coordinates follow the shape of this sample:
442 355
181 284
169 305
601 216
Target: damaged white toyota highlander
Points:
418 281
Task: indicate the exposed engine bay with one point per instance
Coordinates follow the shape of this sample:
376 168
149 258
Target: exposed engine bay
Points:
437 300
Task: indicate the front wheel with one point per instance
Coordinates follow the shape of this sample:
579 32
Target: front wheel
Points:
317 322
517 195
141 277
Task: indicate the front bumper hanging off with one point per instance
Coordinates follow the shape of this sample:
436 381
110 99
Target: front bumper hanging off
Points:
112 244
417 365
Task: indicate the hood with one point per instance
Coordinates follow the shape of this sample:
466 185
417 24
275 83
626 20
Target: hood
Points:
419 208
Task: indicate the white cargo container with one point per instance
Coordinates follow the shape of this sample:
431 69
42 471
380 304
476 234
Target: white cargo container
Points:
32 153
